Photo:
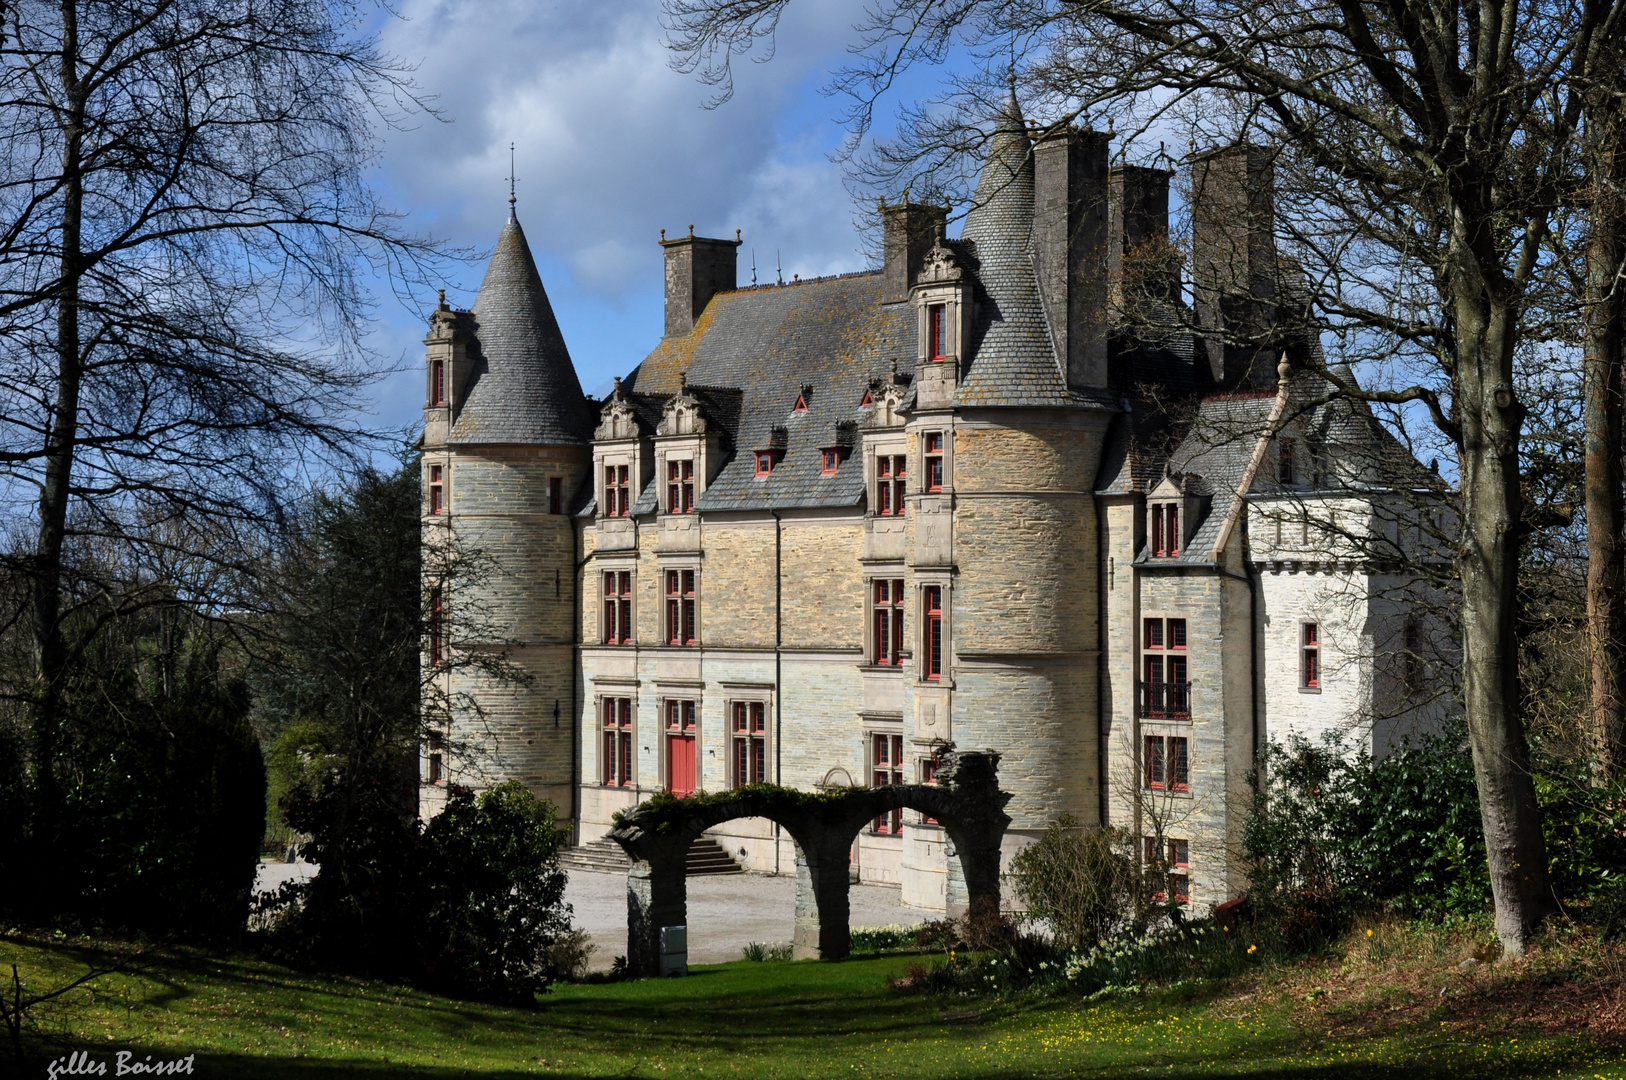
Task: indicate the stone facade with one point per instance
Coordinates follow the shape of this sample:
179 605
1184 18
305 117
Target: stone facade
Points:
826 530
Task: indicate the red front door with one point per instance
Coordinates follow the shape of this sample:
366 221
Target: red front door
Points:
680 732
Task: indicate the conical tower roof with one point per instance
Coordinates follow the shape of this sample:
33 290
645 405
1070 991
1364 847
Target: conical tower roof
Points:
525 388
1001 216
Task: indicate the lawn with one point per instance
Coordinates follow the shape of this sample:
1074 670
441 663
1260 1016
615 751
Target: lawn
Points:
247 1018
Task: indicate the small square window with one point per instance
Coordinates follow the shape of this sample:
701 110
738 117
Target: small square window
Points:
830 461
764 462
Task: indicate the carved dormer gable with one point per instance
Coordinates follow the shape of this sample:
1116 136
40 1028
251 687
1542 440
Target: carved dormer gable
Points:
617 420
940 266
682 415
1174 507
886 397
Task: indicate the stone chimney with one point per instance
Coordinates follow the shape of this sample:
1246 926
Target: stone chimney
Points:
908 231
697 268
1070 246
1138 227
1234 267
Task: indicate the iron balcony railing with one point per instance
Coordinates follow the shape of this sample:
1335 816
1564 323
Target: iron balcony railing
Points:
1165 701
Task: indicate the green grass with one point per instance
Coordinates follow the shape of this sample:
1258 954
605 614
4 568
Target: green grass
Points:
246 1018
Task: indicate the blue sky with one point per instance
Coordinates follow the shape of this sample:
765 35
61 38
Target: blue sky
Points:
611 147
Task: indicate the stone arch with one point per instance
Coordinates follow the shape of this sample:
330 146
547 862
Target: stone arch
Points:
657 834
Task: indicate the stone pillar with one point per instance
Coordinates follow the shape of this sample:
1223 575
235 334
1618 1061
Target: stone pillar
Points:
823 903
657 896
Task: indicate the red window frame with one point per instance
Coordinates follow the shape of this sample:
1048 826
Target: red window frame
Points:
748 735
1168 763
1167 677
886 602
932 624
829 461
934 461
886 768
680 487
556 494
617 491
437 749
1175 857
764 462
617 607
680 607
437 618
1309 656
436 491
437 383
891 474
937 331
616 720
682 728
801 404
1166 530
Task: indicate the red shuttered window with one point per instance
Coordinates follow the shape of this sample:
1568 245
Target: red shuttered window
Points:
887 606
681 729
934 461
437 383
680 609
1168 763
617 491
932 607
1166 530
890 475
886 768
680 487
749 739
437 491
937 332
617 607
1310 655
1166 691
617 722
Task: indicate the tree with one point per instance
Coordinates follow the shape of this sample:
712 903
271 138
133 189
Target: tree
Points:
1424 148
182 213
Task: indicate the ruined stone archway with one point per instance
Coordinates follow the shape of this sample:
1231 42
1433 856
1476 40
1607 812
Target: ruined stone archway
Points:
657 834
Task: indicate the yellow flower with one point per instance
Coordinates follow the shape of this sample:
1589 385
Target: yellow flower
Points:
1369 933
1251 948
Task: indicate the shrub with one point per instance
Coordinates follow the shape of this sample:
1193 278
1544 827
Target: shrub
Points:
762 951
1079 881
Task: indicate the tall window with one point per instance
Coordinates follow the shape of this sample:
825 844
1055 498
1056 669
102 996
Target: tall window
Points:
437 758
890 474
1166 694
750 743
617 607
437 625
437 383
680 736
886 768
1168 763
934 461
1166 529
436 489
617 491
888 621
617 713
680 622
1309 655
1174 859
680 487
1284 461
932 603
556 494
937 331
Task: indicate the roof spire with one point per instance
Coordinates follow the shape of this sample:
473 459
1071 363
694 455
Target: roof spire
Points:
511 178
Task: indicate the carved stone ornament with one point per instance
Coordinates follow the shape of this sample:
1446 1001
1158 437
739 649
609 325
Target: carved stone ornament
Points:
681 416
616 420
888 411
940 265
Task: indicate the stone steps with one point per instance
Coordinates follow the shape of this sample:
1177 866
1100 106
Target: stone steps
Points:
706 856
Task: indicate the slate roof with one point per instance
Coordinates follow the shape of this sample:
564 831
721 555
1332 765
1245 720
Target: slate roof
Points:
1013 358
832 335
524 389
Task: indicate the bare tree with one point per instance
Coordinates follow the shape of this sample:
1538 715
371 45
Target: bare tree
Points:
1424 148
183 216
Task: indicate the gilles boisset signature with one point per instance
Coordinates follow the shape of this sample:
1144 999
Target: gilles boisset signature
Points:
80 1063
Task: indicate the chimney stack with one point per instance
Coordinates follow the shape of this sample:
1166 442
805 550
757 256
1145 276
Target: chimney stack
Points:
1138 227
908 231
1070 245
697 268
1234 262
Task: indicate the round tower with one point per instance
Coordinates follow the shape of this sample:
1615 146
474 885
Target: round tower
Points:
506 449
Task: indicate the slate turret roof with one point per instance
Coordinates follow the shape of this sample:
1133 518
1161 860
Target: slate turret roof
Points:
525 390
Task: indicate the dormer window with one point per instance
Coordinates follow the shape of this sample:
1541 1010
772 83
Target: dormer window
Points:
617 491
869 400
764 462
801 404
831 460
937 332
1165 530
680 487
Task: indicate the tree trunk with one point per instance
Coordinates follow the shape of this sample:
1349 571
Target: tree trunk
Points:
50 648
1605 601
1488 558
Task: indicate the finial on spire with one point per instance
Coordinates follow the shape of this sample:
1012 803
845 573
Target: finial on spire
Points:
511 179
442 306
691 228
663 236
616 393
736 236
683 382
753 268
